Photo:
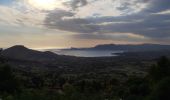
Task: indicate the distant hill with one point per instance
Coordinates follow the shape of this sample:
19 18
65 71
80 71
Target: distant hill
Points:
27 59
128 48
20 52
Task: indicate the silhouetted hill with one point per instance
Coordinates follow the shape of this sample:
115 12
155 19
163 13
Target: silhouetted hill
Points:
129 48
20 52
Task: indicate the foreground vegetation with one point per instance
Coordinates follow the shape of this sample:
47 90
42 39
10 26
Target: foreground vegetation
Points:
16 84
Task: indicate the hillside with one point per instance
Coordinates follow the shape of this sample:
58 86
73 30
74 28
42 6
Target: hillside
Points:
20 52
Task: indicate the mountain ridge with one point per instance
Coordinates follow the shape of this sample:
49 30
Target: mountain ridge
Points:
127 47
23 53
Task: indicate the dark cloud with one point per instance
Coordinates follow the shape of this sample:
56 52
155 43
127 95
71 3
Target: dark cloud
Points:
144 23
56 20
157 6
155 26
78 3
74 4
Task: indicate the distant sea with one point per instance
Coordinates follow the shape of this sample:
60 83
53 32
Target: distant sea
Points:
87 53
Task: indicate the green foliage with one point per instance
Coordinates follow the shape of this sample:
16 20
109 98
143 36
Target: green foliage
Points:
49 86
8 82
160 80
1 50
136 88
37 81
161 90
33 94
161 70
2 60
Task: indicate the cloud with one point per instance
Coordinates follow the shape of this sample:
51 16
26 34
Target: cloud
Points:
158 6
116 36
56 20
165 12
143 23
132 20
78 3
17 17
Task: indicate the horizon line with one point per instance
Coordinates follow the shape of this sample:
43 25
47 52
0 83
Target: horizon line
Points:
55 47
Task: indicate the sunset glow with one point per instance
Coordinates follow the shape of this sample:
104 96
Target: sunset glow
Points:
44 4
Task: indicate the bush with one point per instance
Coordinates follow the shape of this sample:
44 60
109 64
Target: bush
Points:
161 70
161 91
8 82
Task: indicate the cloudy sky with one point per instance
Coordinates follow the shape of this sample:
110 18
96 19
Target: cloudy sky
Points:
83 23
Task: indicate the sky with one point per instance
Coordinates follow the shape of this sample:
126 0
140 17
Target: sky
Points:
44 24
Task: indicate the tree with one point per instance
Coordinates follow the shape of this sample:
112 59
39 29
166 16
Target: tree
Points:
161 70
38 82
161 91
8 82
1 50
136 88
1 58
160 79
